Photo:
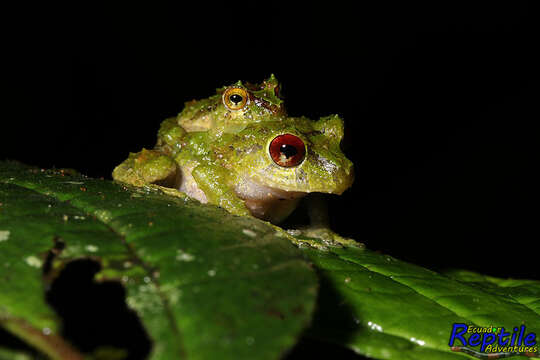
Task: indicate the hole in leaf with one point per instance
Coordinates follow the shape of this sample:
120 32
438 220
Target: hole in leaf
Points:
59 245
94 314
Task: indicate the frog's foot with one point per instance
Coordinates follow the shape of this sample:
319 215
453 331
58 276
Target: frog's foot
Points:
148 167
294 237
326 237
169 191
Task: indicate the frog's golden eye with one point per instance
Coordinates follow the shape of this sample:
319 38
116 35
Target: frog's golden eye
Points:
287 150
235 98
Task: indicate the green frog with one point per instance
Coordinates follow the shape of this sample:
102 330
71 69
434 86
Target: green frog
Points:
239 150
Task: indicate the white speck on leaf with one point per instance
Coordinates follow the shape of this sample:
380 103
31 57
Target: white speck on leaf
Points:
418 341
374 326
211 272
181 255
91 248
103 215
249 233
4 235
34 261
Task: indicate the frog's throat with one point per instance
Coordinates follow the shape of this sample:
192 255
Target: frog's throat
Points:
265 202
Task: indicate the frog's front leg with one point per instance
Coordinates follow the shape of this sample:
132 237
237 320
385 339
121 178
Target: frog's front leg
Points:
148 167
319 227
214 181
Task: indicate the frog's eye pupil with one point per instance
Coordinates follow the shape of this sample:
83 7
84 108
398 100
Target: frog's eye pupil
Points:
236 99
287 150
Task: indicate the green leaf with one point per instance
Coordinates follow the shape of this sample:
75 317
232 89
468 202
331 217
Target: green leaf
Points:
207 284
385 308
204 283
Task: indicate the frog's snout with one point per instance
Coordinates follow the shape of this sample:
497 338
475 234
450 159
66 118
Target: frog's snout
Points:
342 180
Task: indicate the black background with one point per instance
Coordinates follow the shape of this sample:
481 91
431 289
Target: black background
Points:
439 101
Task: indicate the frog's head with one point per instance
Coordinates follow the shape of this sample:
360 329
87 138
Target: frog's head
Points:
294 155
235 106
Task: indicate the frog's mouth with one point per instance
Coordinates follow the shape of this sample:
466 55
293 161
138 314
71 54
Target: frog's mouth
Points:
267 203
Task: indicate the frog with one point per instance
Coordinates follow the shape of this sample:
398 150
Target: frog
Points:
239 150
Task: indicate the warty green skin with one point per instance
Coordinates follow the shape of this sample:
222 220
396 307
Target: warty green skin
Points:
222 156
211 114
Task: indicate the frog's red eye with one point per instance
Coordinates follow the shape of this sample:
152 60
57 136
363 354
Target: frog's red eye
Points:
235 98
287 150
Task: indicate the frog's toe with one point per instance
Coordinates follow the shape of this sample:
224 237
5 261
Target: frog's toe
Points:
346 242
330 238
160 170
169 191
